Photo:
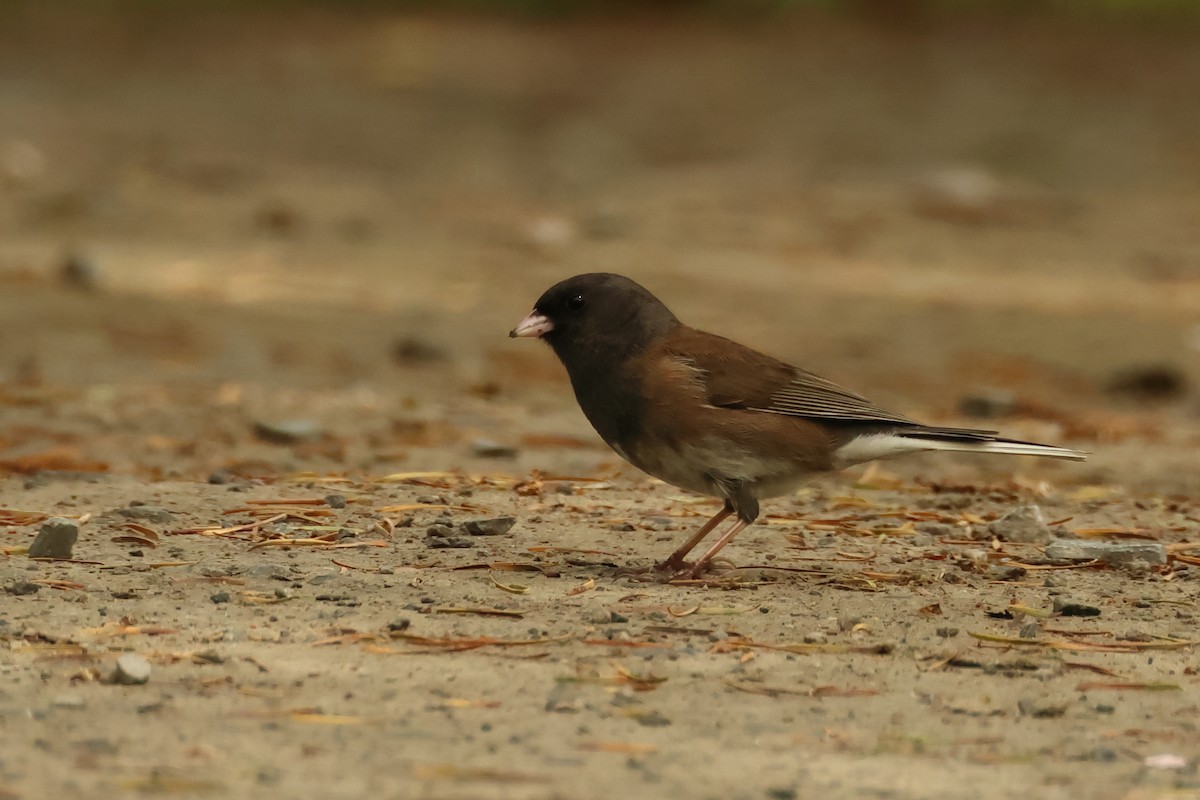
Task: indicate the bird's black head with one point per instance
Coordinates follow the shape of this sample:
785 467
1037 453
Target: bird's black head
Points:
596 313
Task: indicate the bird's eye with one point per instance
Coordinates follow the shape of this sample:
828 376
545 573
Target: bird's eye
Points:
575 303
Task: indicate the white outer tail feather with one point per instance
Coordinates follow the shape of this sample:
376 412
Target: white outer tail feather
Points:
886 445
1004 448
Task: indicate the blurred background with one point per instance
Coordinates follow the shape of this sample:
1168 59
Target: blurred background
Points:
249 238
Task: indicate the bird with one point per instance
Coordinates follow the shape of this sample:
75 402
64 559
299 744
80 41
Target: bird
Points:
715 417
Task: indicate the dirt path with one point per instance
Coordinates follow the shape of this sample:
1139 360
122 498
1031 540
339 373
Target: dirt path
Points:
309 236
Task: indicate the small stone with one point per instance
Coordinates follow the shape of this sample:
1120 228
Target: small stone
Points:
272 571
1102 754
782 793
1030 630
79 272
149 513
963 194
56 539
1135 636
816 637
1073 608
399 624
988 403
1112 553
73 701
448 542
411 350
847 622
654 719
335 500
1022 524
565 698
1007 573
220 597
21 588
622 526
208 657
618 619
289 431
597 616
1150 382
132 670
486 448
1040 710
496 526
221 477
947 633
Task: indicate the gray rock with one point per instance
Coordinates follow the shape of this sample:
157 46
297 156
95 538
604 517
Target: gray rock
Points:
56 539
1112 553
497 526
1022 524
20 588
149 513
132 670
448 542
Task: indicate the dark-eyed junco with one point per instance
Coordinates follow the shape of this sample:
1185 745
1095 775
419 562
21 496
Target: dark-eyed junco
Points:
708 414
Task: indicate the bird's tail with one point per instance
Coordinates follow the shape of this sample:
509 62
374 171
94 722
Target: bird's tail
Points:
971 441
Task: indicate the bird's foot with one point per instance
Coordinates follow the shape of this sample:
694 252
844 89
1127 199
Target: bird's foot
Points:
678 571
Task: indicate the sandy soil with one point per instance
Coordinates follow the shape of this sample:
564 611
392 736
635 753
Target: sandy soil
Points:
333 220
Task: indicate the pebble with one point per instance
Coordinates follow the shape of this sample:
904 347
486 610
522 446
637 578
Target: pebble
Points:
289 431
75 701
336 500
56 539
1022 524
816 637
438 542
400 624
413 350
1040 709
1150 382
149 513
79 272
132 670
597 616
496 526
20 588
960 194
565 698
1111 553
273 571
1069 607
220 597
1007 573
988 403
486 448
209 656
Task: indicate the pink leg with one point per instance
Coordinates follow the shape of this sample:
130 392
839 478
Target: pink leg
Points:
725 539
675 562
